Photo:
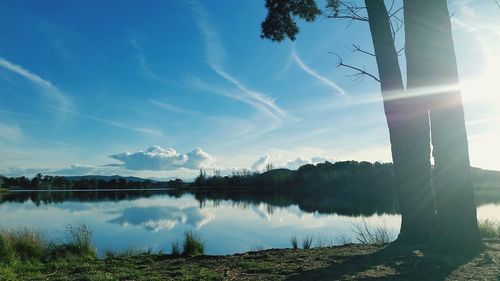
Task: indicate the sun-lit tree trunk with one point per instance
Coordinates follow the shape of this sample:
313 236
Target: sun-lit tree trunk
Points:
432 72
408 124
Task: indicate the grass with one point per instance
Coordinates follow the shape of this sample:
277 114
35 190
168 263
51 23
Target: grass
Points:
489 228
130 252
332 263
366 233
28 245
176 249
307 242
322 241
79 244
294 241
192 245
22 244
258 247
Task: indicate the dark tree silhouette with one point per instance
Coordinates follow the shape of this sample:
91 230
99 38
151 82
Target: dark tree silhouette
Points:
408 124
432 73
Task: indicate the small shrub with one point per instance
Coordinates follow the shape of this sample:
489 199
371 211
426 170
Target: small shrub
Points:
258 247
322 242
294 241
368 234
79 244
26 243
192 246
343 240
307 242
176 249
489 229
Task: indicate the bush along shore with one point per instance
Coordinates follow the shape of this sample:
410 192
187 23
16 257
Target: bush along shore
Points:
26 255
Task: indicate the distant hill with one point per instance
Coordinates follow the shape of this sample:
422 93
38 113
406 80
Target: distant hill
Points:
485 178
107 178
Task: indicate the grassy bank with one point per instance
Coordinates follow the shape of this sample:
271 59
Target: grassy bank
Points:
349 262
26 255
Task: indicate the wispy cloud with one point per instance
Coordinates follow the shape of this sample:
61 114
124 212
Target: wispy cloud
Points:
49 89
145 66
327 82
10 133
173 108
112 123
215 54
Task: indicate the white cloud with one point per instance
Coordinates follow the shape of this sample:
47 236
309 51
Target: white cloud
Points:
49 89
261 163
156 218
198 159
295 164
313 73
157 158
317 160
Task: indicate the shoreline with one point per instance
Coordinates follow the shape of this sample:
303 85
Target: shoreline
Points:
348 262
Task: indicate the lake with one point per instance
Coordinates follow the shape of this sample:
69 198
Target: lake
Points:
228 222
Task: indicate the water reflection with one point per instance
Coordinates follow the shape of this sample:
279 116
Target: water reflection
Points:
229 222
164 217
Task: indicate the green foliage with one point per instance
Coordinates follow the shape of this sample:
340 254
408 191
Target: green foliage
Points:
7 274
294 241
334 7
280 20
489 229
193 245
307 242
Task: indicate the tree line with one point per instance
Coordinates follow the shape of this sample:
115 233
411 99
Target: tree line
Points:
48 182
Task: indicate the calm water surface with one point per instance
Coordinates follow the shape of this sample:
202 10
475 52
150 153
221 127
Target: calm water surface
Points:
155 221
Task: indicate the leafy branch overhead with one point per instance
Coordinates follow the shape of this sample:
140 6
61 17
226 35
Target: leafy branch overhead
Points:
280 20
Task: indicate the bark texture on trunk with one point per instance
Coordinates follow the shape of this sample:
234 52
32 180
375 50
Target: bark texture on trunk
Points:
432 73
408 122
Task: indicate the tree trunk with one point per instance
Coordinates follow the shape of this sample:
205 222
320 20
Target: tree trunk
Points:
432 73
408 123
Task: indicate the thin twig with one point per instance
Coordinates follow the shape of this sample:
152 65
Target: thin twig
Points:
360 72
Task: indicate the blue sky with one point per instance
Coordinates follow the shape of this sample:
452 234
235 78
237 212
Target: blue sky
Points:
160 90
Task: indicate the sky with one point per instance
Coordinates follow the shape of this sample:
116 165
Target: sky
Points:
163 89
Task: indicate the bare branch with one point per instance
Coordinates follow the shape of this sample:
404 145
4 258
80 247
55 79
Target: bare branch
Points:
357 48
349 11
360 73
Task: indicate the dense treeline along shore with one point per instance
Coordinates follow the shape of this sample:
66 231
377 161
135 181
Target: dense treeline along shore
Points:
344 176
346 188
